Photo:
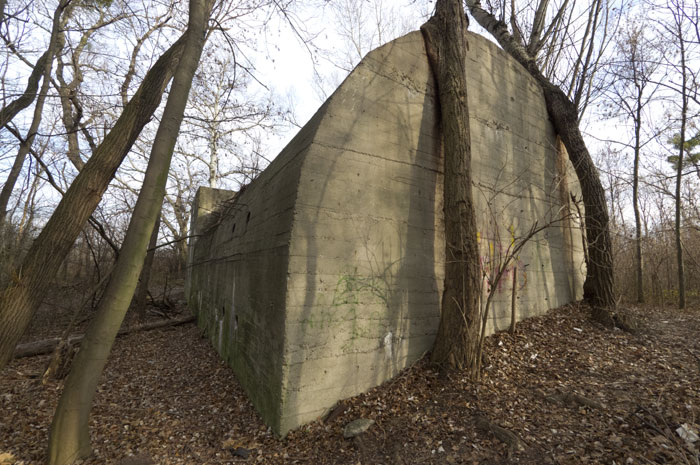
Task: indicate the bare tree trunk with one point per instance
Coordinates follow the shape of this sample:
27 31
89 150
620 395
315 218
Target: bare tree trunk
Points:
213 159
598 289
679 173
142 290
23 295
25 223
456 345
42 70
69 437
679 15
26 99
68 91
679 177
639 264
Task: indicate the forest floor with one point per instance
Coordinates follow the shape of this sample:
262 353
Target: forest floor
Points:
166 398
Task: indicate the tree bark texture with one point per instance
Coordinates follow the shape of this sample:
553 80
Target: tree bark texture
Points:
639 263
678 210
679 170
142 289
30 280
598 288
69 437
456 345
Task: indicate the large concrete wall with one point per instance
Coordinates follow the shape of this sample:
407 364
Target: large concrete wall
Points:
336 277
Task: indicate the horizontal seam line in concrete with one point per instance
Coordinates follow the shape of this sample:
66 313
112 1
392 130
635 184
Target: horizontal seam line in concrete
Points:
359 152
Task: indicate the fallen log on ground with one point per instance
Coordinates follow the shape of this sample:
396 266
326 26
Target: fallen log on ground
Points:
47 346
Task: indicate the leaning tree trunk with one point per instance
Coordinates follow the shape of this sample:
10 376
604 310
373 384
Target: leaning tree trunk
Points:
456 345
19 300
142 289
41 71
23 101
27 97
598 289
70 436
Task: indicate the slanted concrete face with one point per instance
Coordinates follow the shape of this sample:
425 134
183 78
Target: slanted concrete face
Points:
330 281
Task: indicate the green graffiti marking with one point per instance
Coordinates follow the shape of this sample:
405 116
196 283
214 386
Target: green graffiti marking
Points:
352 292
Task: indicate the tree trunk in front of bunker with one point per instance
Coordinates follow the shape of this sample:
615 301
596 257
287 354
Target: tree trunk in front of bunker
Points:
69 437
598 289
31 279
456 345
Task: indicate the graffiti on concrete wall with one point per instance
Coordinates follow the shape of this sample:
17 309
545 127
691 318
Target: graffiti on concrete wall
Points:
353 292
495 252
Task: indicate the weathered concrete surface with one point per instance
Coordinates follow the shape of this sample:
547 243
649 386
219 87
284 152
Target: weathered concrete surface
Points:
330 281
206 208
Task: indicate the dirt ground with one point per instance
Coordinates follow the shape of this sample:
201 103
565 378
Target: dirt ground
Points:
573 392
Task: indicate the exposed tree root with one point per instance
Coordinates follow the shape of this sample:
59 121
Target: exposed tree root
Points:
502 434
571 398
680 451
603 316
335 412
61 359
626 322
615 318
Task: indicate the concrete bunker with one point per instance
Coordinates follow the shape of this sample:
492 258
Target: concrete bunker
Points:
323 277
